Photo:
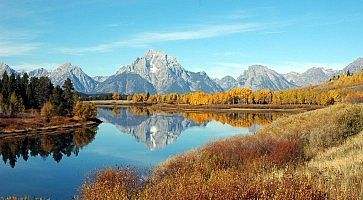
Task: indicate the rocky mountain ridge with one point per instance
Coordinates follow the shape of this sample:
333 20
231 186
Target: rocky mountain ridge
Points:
158 72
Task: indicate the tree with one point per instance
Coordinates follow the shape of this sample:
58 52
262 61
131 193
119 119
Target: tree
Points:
85 111
116 96
5 87
68 96
57 100
2 104
47 111
15 105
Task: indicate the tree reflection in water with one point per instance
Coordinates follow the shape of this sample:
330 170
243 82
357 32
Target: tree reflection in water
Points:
236 119
56 145
159 128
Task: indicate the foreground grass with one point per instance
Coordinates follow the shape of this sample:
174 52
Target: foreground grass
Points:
313 155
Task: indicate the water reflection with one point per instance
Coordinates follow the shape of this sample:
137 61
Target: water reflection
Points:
158 128
55 145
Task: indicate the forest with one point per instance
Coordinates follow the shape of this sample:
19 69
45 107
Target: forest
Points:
21 97
338 89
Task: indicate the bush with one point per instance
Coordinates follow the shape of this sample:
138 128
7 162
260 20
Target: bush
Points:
275 163
47 111
85 111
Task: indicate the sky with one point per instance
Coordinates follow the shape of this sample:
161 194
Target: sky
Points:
218 37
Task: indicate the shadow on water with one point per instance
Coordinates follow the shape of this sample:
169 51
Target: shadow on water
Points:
55 145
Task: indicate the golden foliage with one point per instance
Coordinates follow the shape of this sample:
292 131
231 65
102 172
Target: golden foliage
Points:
284 160
116 96
85 111
47 111
331 92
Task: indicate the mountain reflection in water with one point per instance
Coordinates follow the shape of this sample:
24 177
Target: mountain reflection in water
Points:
157 129
55 145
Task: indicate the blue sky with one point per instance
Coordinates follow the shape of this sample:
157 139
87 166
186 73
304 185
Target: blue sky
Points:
218 37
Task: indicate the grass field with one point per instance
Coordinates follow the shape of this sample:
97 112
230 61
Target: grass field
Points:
312 155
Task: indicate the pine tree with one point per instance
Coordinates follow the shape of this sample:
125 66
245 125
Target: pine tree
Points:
68 96
57 100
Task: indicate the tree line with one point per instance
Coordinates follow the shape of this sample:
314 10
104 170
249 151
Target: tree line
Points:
21 93
333 91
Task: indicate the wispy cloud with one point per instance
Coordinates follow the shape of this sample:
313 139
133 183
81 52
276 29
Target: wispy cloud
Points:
25 66
189 33
17 48
302 66
230 54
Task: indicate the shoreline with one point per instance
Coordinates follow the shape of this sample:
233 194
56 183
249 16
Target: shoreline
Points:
210 108
48 129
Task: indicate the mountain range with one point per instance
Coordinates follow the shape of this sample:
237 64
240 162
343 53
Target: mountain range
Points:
158 72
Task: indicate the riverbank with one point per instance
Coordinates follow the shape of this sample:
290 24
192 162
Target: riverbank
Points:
11 127
211 108
311 155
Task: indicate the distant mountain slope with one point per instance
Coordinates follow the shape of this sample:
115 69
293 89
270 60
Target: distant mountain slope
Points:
81 81
5 68
259 77
100 78
227 82
157 72
126 83
355 66
312 76
39 73
168 76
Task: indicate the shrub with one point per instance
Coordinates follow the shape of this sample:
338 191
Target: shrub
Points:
275 163
112 184
47 111
85 111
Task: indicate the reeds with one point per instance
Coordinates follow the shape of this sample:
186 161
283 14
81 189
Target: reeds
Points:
313 155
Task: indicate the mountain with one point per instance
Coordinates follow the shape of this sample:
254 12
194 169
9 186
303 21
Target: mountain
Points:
100 78
259 77
125 83
312 76
227 82
81 81
39 73
167 75
355 66
5 68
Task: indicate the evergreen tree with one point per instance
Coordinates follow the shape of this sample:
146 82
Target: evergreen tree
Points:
23 88
58 101
2 104
5 87
68 96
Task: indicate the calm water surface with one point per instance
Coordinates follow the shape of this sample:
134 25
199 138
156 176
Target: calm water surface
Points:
54 166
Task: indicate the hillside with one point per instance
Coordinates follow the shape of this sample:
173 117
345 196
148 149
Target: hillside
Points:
313 155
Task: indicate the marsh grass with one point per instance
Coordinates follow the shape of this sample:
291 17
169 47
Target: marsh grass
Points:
313 155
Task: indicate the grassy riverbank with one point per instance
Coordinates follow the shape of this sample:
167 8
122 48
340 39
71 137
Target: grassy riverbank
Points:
29 123
312 155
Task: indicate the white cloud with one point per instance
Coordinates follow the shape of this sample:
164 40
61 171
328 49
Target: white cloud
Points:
24 66
148 38
17 48
230 54
296 66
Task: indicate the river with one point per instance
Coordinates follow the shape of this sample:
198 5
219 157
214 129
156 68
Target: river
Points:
55 166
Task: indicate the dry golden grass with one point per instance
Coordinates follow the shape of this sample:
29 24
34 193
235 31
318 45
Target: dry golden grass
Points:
298 157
